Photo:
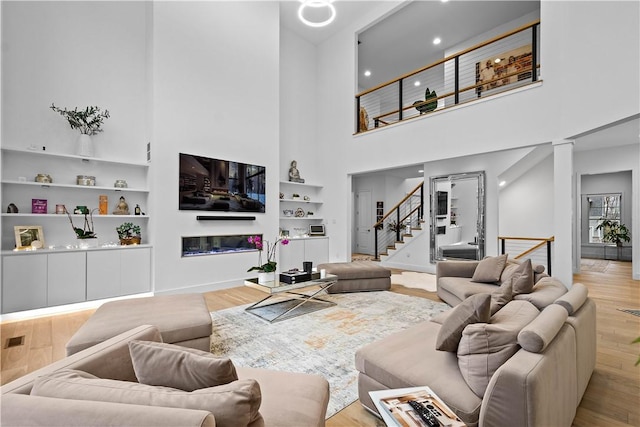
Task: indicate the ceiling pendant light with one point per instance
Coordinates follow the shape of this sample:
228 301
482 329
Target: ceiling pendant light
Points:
317 4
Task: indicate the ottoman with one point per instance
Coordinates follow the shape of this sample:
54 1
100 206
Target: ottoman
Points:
358 276
181 319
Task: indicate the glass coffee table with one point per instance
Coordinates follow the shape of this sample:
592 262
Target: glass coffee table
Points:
286 301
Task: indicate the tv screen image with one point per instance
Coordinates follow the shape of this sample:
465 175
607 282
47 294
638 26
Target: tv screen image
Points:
220 185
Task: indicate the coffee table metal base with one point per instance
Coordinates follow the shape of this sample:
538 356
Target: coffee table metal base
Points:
296 305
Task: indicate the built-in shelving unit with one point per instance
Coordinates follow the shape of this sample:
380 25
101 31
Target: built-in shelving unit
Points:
67 270
290 206
301 247
19 169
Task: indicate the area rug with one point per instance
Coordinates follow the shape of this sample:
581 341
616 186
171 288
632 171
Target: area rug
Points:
412 279
323 342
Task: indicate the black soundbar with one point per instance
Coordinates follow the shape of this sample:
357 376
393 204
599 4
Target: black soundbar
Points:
224 218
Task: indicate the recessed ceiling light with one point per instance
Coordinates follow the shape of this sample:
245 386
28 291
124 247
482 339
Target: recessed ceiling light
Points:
437 40
420 170
502 183
416 83
367 73
444 1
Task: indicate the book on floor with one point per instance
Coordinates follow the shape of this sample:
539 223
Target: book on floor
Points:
396 408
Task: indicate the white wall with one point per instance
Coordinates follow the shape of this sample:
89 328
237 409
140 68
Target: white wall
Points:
216 94
75 54
555 109
526 204
298 108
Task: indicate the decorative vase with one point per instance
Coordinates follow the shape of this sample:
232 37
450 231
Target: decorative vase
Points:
85 145
264 277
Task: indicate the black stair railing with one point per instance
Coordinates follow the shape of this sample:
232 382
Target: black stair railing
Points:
536 248
406 215
458 78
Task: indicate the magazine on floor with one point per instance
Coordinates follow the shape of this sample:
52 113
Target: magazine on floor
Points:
400 408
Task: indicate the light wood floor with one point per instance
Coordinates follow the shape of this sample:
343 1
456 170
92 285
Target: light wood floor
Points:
612 397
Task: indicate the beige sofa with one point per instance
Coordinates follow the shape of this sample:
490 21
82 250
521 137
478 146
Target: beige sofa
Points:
284 399
454 284
529 365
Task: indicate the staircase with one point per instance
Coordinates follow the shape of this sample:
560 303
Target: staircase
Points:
400 225
397 247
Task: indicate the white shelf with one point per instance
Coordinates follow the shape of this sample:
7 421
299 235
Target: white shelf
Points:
294 218
300 184
73 156
72 215
75 186
71 248
301 201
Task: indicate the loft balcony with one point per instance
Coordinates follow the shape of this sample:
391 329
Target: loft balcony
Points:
503 63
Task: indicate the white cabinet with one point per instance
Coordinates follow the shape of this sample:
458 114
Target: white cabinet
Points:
300 205
314 249
135 271
68 270
66 278
103 274
115 273
24 282
48 278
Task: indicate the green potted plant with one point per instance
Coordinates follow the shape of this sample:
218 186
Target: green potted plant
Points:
88 122
614 232
87 231
129 233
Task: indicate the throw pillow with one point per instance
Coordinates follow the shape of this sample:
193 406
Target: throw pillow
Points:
233 405
187 369
501 296
489 269
474 309
522 279
484 347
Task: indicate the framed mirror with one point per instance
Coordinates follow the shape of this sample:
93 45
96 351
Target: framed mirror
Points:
457 216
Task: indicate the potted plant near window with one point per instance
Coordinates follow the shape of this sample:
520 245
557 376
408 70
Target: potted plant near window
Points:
129 234
614 232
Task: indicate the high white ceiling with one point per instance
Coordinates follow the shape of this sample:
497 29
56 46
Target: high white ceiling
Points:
403 42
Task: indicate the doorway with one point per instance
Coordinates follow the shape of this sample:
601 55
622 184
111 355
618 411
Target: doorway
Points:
605 199
364 221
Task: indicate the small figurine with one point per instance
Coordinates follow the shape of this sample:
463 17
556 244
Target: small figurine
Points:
12 208
294 174
122 208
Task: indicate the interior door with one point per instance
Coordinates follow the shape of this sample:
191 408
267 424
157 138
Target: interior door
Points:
364 221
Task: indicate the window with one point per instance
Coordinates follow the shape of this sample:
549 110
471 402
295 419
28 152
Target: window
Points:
599 207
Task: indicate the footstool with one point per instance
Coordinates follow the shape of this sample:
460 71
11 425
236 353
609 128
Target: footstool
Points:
358 276
181 319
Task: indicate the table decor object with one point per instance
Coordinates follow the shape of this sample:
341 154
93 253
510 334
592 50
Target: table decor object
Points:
129 234
266 271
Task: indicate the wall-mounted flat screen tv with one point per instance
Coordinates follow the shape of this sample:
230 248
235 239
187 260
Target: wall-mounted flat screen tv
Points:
221 185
